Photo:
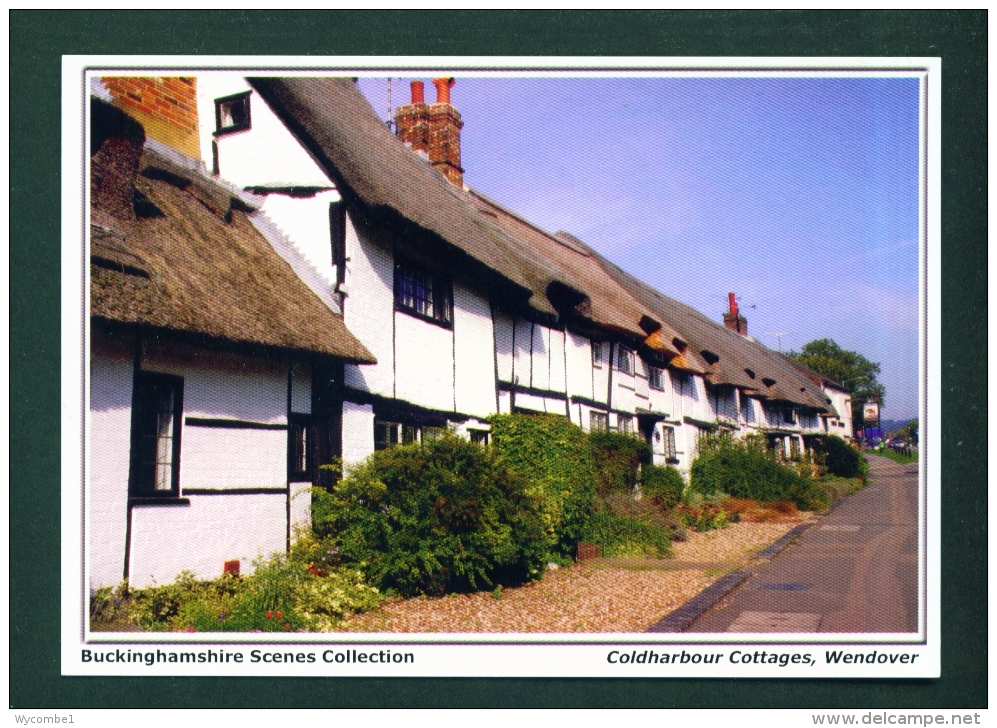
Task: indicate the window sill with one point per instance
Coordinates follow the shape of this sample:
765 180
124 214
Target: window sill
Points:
167 500
229 130
422 317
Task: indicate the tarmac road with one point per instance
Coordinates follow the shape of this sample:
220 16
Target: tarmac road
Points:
854 571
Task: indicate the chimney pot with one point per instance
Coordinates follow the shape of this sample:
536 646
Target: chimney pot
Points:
444 133
443 84
418 96
733 319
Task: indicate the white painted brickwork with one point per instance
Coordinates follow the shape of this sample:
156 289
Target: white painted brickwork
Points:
215 457
224 385
305 221
201 537
110 447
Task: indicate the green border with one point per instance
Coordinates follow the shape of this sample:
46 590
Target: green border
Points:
38 38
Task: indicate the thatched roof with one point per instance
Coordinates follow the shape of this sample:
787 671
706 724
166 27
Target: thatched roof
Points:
331 118
334 121
731 358
187 265
609 305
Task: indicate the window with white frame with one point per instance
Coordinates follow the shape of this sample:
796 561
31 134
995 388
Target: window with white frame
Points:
598 421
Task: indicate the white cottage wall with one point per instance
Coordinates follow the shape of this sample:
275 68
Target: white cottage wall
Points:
202 536
369 308
522 373
424 370
301 389
600 376
540 358
265 155
474 351
111 367
558 361
305 222
578 353
358 432
504 353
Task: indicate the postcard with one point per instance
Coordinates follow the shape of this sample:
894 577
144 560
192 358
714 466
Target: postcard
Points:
514 367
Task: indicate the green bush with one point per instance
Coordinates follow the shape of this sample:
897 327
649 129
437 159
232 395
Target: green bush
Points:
741 470
554 457
432 518
842 459
836 487
617 458
282 595
663 485
627 535
707 517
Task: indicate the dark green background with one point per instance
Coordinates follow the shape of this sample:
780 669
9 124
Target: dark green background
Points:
37 39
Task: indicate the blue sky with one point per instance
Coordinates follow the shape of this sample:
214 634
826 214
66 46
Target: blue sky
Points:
799 194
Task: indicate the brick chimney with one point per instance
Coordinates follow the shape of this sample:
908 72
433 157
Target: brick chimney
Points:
733 320
412 121
116 142
444 133
165 106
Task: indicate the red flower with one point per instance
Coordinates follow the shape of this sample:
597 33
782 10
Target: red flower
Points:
279 615
269 615
287 626
190 629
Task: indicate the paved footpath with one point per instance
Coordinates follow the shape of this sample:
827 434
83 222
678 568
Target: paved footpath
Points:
854 571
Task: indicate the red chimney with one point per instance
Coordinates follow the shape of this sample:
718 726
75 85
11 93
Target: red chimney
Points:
444 133
733 320
418 97
412 120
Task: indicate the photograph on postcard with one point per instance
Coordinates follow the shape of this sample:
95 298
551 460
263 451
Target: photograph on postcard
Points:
620 371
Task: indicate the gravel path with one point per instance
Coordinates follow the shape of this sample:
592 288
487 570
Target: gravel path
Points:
601 595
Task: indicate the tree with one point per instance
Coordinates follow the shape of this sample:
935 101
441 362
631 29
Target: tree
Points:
848 368
909 432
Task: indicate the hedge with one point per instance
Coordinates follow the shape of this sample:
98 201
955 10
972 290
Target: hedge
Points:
742 470
442 516
842 459
618 458
553 456
664 485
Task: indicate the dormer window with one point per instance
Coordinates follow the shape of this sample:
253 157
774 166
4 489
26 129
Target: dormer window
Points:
232 113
